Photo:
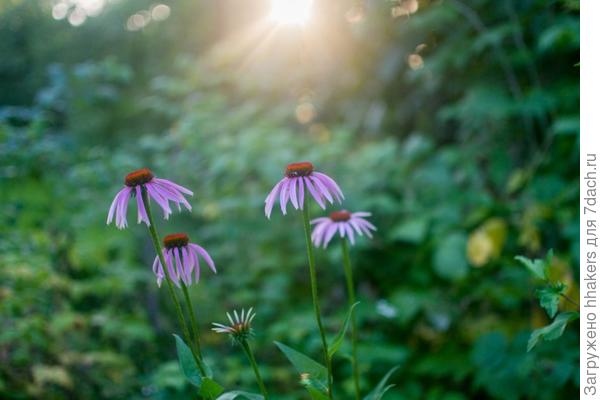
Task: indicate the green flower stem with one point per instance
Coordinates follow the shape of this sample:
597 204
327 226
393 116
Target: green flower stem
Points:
315 297
250 355
195 334
351 301
157 247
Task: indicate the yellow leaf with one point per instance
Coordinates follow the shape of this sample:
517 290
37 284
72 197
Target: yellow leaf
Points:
486 242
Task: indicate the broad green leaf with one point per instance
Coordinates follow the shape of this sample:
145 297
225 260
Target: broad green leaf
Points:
381 387
313 374
339 338
240 394
187 362
550 297
552 331
207 369
209 388
315 394
537 267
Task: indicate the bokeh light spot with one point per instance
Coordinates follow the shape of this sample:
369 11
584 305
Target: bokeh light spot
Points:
77 17
305 112
160 12
405 8
59 11
415 61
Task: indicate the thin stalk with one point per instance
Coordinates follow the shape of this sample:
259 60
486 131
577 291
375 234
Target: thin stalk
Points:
315 297
570 300
250 355
195 334
351 301
163 264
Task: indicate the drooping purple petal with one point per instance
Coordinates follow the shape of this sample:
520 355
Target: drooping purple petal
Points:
142 215
283 196
317 234
195 261
329 234
366 223
181 271
168 195
121 212
294 183
204 254
366 226
270 200
169 190
356 226
176 187
342 228
160 200
301 193
114 205
173 273
330 183
350 233
315 194
321 188
188 265
157 269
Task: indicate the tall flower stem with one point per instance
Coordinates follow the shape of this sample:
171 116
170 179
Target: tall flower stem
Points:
161 257
351 301
195 335
315 297
250 355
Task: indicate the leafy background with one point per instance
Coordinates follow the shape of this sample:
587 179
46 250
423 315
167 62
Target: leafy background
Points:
455 122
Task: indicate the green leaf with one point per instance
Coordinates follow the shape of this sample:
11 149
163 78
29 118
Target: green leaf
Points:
315 393
381 387
240 394
411 231
549 297
566 125
449 259
187 362
313 374
537 267
552 331
207 369
339 338
209 388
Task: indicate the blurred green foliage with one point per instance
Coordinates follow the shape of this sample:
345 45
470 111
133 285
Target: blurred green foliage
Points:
456 124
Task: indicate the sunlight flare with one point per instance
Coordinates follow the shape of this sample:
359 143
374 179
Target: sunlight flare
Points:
291 12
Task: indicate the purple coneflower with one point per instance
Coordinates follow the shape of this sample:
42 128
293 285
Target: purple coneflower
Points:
182 260
344 222
240 327
291 188
161 190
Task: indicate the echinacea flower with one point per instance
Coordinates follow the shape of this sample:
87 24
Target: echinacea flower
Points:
291 188
343 222
181 257
240 328
160 190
